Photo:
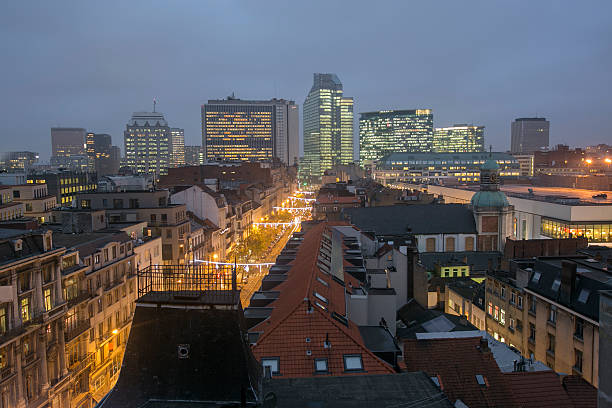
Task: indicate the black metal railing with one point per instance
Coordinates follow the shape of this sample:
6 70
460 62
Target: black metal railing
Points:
217 282
80 327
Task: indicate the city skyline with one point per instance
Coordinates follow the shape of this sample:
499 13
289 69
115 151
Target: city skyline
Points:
558 73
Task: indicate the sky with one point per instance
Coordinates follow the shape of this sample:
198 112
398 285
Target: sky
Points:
91 64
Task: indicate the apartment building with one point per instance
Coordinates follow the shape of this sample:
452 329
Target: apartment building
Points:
548 309
37 201
99 284
9 208
165 220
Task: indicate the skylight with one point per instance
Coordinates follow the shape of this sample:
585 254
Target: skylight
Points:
322 281
321 365
353 362
435 381
555 285
584 295
536 277
480 379
320 297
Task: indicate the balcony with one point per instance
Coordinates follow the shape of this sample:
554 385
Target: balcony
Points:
73 332
89 359
80 297
6 373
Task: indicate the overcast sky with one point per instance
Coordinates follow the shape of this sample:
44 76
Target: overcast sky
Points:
91 64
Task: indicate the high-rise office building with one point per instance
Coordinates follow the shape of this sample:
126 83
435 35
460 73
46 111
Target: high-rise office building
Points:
529 135
237 130
11 161
103 157
194 155
390 131
147 143
459 139
177 147
67 141
328 128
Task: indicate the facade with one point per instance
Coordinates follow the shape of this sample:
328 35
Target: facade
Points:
194 155
37 201
459 139
17 161
177 147
526 164
385 132
64 316
548 309
67 142
240 130
163 219
147 143
104 158
9 208
65 184
529 135
540 212
440 168
466 298
75 162
328 128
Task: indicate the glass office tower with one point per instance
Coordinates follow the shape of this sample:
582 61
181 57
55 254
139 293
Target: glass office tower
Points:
459 139
328 128
177 147
385 132
147 143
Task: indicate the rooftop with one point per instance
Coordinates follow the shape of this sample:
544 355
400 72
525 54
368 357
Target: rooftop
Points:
415 219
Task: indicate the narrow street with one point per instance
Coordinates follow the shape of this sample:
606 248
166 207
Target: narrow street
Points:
256 275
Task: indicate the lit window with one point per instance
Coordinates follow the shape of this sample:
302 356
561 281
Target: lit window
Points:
353 362
321 365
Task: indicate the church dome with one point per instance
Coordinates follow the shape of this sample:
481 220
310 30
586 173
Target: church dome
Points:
489 199
490 165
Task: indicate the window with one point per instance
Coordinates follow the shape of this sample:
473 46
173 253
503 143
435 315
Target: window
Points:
469 243
503 292
450 244
536 277
114 252
353 362
85 203
322 281
25 309
513 298
435 380
555 285
320 365
480 380
273 363
97 258
320 297
502 316
532 305
519 325
3 321
511 325
584 295
430 245
490 309
496 313
47 299
577 360
520 302
579 328
117 203
168 233
552 315
551 343
134 203
532 332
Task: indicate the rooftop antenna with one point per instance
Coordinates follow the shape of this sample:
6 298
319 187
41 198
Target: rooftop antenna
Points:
154 103
490 151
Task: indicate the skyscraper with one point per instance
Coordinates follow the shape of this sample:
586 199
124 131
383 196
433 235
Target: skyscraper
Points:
394 131
529 135
177 147
67 141
103 156
459 139
237 130
147 143
328 128
194 155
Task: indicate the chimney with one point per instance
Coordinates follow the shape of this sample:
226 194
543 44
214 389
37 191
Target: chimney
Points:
484 345
568 281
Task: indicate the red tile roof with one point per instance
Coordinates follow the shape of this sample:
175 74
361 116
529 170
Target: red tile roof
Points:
286 331
335 199
456 362
539 389
582 394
